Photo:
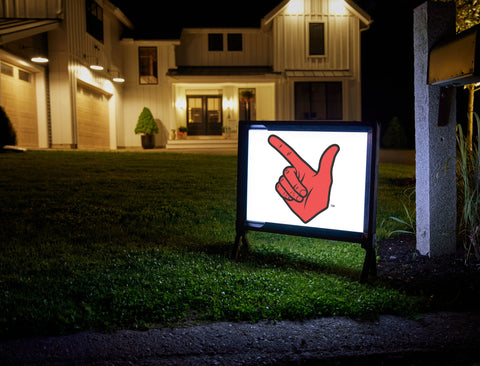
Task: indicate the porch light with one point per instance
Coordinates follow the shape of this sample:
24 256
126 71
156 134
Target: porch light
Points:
118 79
181 104
227 103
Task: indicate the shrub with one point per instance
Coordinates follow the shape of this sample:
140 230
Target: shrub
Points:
395 136
468 174
7 132
146 123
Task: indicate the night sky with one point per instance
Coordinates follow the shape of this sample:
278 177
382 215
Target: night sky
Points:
387 47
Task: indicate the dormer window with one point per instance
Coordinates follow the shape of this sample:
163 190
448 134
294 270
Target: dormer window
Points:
215 42
316 39
235 42
94 15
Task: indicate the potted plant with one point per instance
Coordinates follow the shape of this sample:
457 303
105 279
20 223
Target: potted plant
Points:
148 127
182 132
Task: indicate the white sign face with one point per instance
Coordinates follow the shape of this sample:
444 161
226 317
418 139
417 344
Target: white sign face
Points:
307 178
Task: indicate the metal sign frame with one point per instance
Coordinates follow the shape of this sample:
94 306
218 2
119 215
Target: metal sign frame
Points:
366 237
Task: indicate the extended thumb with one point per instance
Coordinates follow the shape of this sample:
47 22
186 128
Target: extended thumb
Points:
328 158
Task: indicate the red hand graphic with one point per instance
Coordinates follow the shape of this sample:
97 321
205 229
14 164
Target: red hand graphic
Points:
304 190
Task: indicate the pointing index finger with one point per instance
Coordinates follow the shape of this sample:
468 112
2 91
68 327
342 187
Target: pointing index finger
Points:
287 152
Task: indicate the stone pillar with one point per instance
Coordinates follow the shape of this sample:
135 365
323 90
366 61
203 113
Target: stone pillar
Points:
434 144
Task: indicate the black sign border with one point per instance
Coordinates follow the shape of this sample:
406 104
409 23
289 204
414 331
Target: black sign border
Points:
367 238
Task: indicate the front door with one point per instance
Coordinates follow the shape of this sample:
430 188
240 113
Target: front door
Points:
204 115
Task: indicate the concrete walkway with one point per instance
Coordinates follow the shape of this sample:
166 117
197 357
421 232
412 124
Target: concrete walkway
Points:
431 339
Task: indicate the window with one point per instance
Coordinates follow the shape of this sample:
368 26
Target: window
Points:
318 101
234 41
94 20
215 42
147 65
24 75
316 45
6 69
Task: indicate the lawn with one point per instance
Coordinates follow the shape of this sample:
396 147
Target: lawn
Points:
108 240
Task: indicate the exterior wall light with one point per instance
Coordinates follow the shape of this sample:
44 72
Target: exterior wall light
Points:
39 59
181 104
96 67
96 64
116 77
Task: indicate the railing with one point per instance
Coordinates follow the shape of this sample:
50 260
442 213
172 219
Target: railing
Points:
31 9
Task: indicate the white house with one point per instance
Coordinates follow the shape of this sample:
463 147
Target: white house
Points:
302 63
59 100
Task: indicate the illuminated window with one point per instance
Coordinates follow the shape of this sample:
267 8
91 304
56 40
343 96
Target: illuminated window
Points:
234 41
316 37
94 20
318 101
215 42
147 65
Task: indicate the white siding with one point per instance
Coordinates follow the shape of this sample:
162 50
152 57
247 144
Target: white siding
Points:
193 48
72 50
291 39
156 97
341 61
36 9
60 93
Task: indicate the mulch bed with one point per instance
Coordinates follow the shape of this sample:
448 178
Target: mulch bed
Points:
446 282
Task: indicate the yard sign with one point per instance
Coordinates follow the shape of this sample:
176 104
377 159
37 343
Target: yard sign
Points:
313 179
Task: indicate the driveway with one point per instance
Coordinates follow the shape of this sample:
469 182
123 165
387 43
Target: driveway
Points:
430 339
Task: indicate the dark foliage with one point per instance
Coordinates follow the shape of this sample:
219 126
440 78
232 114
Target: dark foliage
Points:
7 132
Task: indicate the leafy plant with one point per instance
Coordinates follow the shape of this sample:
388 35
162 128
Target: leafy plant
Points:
146 123
468 172
7 132
409 221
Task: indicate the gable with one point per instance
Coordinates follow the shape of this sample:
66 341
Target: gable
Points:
299 6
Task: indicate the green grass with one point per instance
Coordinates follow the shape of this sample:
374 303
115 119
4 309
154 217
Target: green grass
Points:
99 241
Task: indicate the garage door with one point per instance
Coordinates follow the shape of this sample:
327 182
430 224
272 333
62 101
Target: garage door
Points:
19 102
92 119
